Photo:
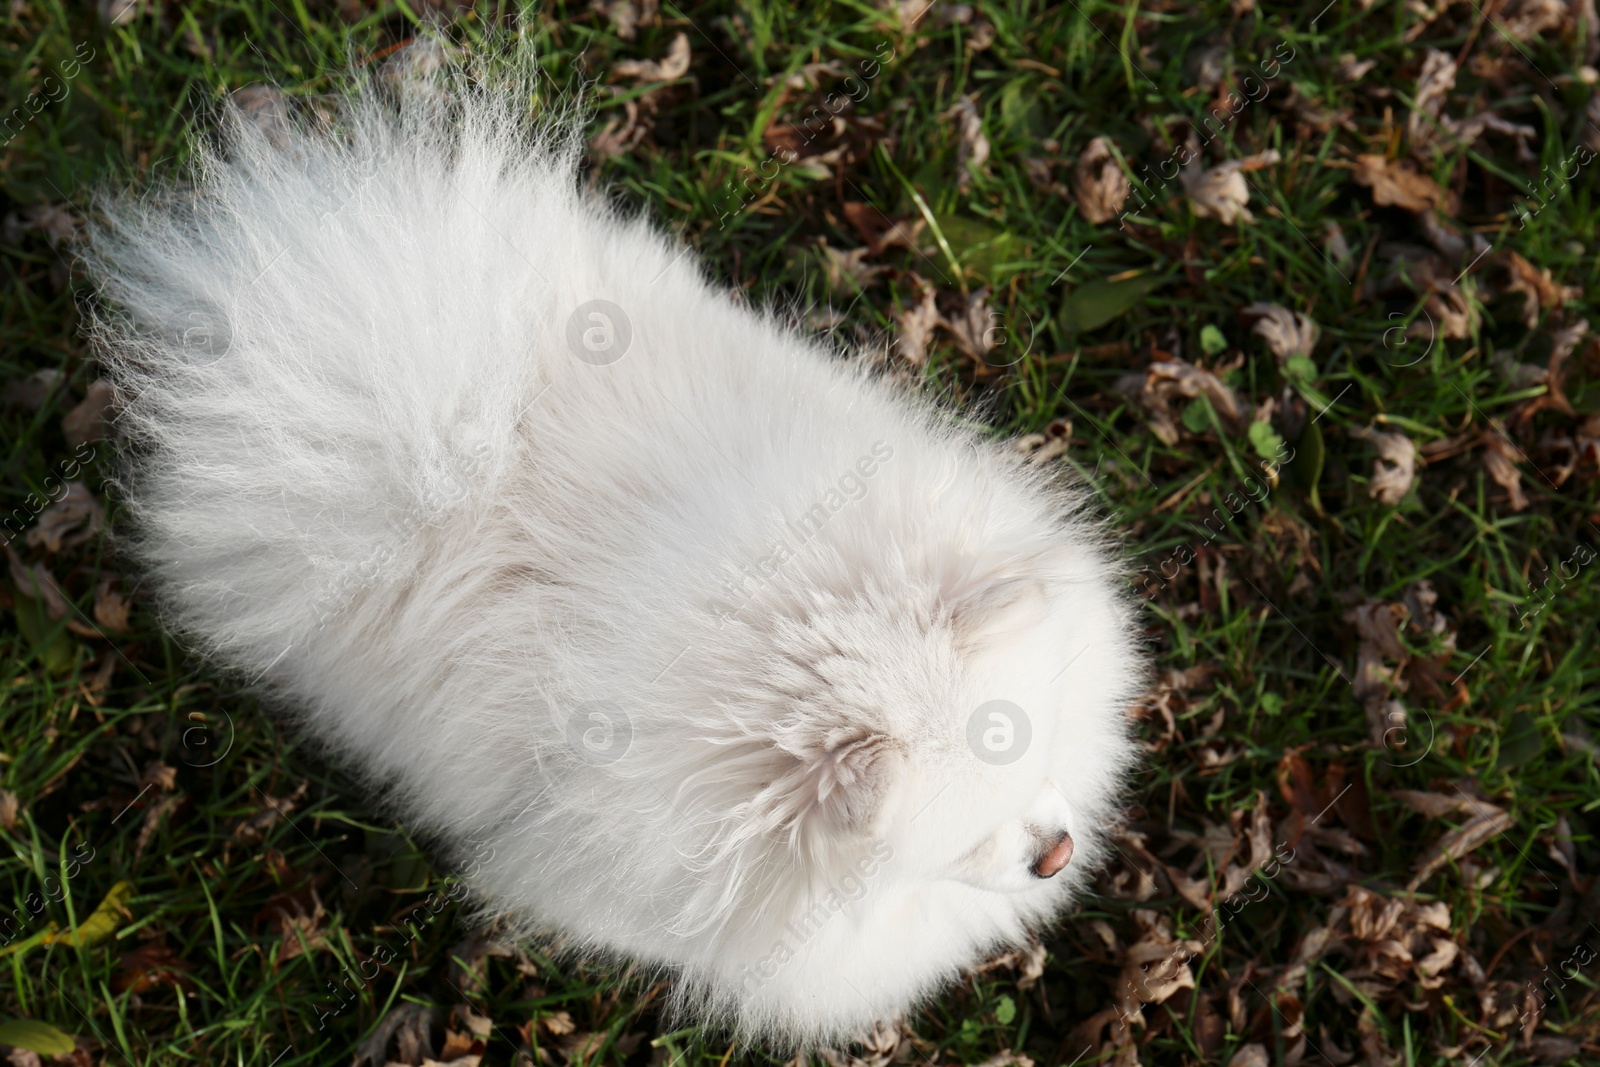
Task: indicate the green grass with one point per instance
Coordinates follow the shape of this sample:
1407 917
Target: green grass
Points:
257 876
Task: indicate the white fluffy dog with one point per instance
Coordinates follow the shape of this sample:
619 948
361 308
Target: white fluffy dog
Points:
733 661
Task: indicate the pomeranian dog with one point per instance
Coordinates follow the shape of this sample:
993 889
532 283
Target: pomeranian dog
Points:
729 659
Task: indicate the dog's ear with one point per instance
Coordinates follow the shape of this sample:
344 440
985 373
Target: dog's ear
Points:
995 601
837 780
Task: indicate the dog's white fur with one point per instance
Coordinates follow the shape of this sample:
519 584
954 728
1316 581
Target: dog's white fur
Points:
688 645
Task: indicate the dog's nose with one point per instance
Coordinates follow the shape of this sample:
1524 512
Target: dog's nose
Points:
1056 860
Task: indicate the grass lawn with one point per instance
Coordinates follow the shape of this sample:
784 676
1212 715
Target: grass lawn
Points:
1332 379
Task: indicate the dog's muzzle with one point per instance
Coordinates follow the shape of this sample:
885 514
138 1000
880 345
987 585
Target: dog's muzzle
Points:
1056 860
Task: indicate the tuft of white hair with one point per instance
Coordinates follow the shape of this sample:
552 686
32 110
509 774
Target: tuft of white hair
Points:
669 619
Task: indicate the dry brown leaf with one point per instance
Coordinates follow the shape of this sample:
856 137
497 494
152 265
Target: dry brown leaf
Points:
1518 375
627 15
1040 448
9 809
87 422
1378 630
163 776
298 931
1169 380
72 520
1287 333
1394 469
1438 805
1456 316
811 75
1191 380
410 1026
59 225
1500 460
672 66
879 230
1027 962
848 272
1351 69
911 12
620 135
1442 957
1445 237
1549 1048
1258 835
973 328
148 967
972 148
980 39
1008 1059
1098 184
916 327
1396 183
1469 130
1523 19
459 1050
32 392
1250 1055
110 607
36 581
1156 966
1221 192
1437 78
1538 288
1338 247
1457 843
273 809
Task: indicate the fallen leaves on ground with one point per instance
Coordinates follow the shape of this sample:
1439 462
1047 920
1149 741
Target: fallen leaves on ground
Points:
252 828
74 518
1221 192
1167 381
670 67
880 231
1040 448
1397 183
1394 468
972 147
1098 184
1287 333
973 326
1500 459
88 420
917 324
1386 668
31 392
626 16
848 272
150 966
1487 823
1539 291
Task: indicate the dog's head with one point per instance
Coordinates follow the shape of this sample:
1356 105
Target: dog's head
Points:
975 725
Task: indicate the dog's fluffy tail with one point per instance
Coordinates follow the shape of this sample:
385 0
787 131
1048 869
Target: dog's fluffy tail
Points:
323 338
